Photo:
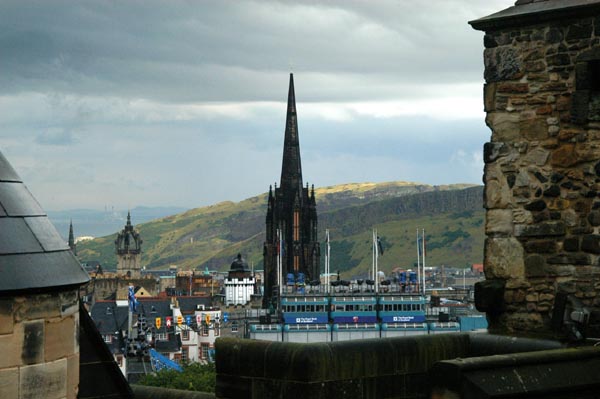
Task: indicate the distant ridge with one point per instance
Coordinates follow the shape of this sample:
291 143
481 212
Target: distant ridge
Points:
211 236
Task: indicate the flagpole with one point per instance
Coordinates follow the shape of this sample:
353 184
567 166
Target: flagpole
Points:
419 258
376 263
327 261
373 264
279 264
423 261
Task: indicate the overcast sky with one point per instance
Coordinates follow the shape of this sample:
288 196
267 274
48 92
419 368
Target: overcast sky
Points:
182 103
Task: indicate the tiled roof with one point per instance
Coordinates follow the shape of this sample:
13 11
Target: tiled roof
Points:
535 11
33 256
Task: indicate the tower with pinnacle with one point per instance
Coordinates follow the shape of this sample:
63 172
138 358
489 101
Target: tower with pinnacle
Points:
72 243
291 209
129 250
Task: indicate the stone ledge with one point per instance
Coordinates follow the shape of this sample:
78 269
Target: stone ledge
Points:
530 374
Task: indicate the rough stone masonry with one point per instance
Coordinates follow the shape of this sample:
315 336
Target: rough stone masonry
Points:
542 164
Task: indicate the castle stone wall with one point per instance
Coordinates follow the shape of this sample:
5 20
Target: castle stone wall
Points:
39 348
542 169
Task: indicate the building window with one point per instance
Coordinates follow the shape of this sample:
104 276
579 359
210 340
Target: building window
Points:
585 103
204 351
161 337
217 329
184 354
108 338
185 335
296 226
205 329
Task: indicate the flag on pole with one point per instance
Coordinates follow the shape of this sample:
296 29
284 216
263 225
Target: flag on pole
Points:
133 302
379 246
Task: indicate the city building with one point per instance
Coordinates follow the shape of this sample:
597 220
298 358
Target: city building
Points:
128 247
240 284
291 222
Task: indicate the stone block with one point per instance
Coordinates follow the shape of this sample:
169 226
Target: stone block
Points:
37 307
501 63
579 31
591 243
571 244
534 129
536 206
569 259
489 97
9 383
33 342
594 218
493 151
59 338
540 246
10 348
496 195
45 380
504 125
72 376
552 191
499 221
503 258
560 59
549 228
6 316
537 156
69 303
512 88
535 266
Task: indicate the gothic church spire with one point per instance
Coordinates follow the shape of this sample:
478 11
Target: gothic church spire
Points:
291 170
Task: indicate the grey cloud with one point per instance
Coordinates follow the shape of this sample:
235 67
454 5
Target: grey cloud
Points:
55 136
233 51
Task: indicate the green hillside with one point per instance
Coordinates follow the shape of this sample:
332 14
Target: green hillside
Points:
452 217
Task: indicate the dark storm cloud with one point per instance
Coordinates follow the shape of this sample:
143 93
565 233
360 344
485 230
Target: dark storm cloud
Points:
179 51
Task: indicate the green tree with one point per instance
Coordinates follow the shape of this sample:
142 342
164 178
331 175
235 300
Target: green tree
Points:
194 377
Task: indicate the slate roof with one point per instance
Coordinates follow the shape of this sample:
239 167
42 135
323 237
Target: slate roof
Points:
33 256
529 12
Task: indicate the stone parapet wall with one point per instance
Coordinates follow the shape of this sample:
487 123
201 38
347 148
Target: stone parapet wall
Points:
542 170
374 368
39 348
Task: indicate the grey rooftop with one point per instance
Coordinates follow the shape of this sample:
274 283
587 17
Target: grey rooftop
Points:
530 12
33 256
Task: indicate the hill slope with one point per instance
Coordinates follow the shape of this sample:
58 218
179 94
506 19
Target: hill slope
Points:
211 236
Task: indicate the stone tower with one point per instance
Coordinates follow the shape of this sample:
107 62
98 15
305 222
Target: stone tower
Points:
39 303
292 209
129 250
542 165
72 244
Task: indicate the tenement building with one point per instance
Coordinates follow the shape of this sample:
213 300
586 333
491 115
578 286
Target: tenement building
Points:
292 211
542 166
